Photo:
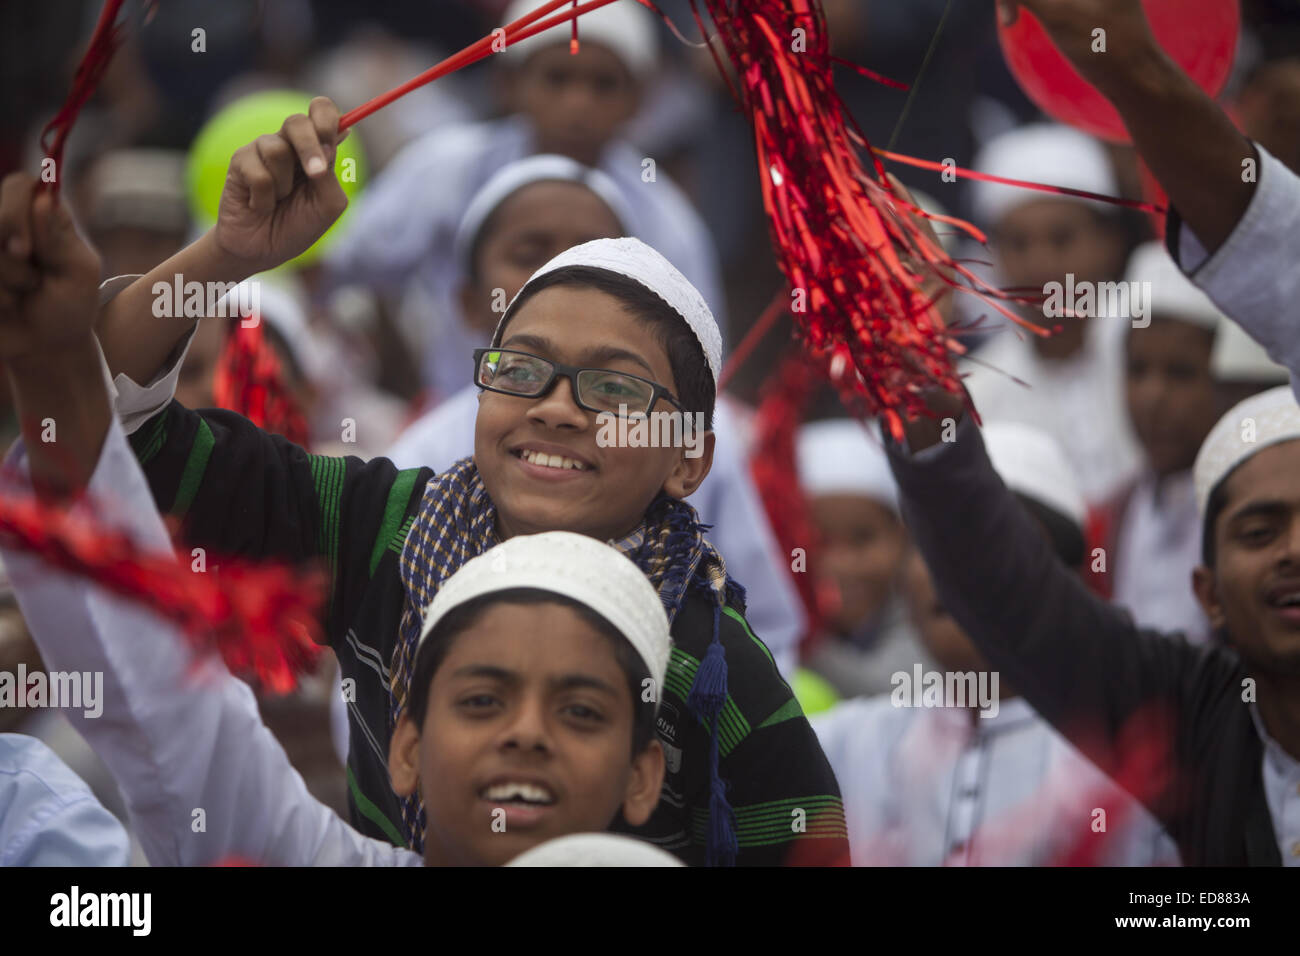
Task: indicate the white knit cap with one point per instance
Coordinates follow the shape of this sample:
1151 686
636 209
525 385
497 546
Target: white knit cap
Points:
1239 358
1173 296
842 456
625 27
534 169
1040 153
595 849
1031 463
1259 422
282 305
586 570
635 260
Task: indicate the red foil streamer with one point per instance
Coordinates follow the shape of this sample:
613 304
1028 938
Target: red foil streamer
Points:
842 235
250 380
263 620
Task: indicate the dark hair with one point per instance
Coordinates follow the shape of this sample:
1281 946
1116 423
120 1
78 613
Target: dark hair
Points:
1213 508
436 646
694 379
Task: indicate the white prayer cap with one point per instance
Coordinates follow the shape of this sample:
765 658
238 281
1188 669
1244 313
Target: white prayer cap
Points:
577 567
534 169
1173 296
842 456
595 849
635 260
1040 153
1259 422
1239 358
140 188
625 27
1031 463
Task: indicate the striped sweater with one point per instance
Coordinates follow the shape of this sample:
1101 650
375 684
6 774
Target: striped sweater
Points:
240 492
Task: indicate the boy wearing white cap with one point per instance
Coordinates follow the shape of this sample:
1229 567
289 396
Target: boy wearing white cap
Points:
1222 716
524 216
546 458
1153 540
531 719
983 781
572 105
1067 383
1234 209
845 478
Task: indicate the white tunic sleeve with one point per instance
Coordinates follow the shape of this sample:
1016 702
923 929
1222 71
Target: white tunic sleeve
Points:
203 778
1253 277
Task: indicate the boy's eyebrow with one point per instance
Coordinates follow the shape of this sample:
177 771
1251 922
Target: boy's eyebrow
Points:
594 357
574 681
1268 508
583 681
486 670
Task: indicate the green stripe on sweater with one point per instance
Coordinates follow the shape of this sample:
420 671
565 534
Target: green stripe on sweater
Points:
367 808
399 495
327 473
195 467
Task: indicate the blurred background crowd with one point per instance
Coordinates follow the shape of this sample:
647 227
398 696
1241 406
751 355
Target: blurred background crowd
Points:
376 325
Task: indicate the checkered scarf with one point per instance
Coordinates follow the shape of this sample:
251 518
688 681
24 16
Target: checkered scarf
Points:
457 522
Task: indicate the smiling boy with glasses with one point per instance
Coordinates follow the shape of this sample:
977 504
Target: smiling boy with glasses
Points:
746 779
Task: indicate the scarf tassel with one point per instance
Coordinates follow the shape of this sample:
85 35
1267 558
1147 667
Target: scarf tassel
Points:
707 697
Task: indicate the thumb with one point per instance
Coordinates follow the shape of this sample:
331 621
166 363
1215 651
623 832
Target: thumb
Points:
54 235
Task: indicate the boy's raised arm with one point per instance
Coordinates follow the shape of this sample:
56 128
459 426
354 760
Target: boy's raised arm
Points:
281 194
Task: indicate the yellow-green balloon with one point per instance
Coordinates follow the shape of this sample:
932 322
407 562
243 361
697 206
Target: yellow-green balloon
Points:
813 692
238 124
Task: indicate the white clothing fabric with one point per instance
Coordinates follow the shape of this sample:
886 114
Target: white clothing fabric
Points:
1282 791
177 733
925 787
1252 277
48 816
1079 401
727 500
1158 545
406 222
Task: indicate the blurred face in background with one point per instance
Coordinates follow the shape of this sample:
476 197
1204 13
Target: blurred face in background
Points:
862 544
1044 240
1170 391
938 630
529 229
577 104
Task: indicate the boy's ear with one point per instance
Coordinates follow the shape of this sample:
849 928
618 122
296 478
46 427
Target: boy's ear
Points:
689 473
1207 594
644 785
404 756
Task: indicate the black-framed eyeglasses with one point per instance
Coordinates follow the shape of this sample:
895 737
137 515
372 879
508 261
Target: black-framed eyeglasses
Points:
596 389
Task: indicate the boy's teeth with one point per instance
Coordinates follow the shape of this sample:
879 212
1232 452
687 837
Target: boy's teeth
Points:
519 791
551 461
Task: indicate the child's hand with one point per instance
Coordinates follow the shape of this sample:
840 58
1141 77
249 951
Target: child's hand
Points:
1070 23
49 275
281 193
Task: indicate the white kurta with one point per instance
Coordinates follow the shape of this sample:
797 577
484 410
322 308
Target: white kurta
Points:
1079 401
923 787
727 500
1158 545
406 221
1253 276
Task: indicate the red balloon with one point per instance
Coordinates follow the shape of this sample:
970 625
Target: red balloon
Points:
1199 35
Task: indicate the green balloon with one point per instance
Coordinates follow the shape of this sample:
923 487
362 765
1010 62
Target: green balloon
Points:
813 692
238 124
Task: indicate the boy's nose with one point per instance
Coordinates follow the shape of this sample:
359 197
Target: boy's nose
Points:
528 731
559 407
